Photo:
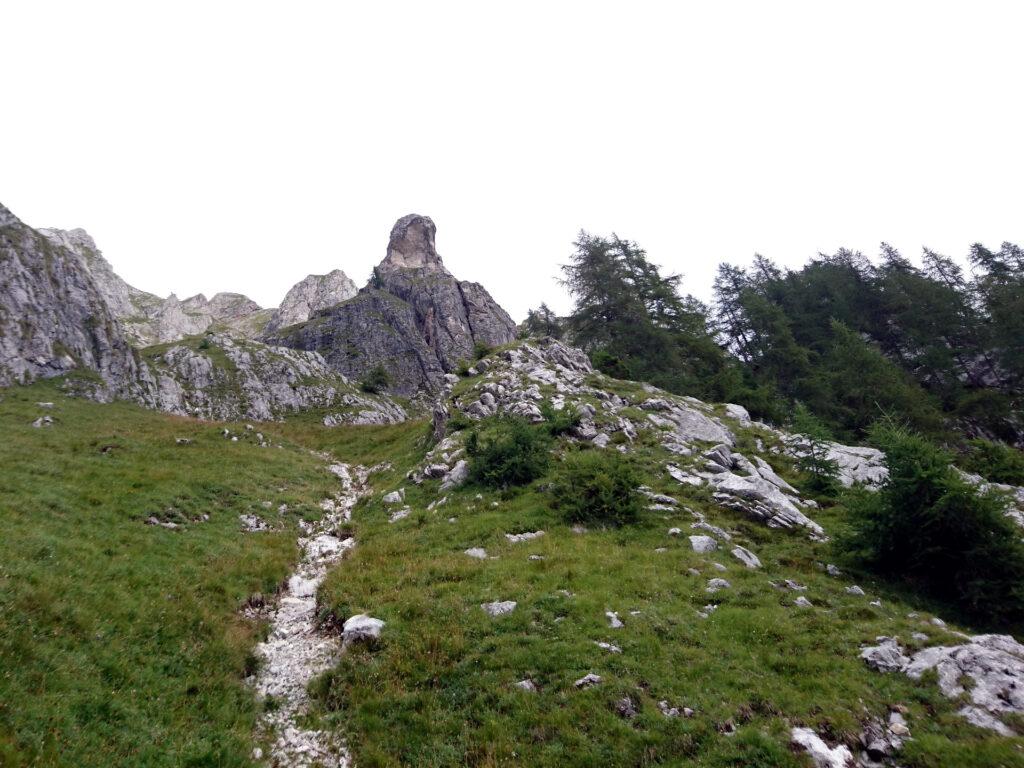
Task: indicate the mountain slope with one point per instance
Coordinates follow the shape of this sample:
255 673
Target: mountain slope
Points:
53 316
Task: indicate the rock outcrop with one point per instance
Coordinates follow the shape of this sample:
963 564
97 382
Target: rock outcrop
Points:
53 316
310 295
414 318
220 377
146 318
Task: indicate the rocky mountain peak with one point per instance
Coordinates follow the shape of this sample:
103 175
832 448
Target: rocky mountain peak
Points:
412 245
6 217
311 294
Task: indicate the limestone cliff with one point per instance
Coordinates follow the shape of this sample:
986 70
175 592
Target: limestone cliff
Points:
148 319
414 318
313 293
54 318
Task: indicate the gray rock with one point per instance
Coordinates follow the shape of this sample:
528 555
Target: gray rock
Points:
855 590
588 680
610 647
310 295
458 475
499 607
515 538
887 656
361 628
714 585
414 319
703 544
477 552
746 557
625 708
527 685
394 497
613 620
54 318
802 602
820 753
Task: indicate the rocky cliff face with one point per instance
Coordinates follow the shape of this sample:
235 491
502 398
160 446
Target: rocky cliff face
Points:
148 319
220 377
54 317
414 319
312 294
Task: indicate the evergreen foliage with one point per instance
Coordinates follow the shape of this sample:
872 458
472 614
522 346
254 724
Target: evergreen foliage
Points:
598 488
376 380
930 527
507 451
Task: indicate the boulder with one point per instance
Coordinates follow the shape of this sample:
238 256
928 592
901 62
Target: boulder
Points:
361 628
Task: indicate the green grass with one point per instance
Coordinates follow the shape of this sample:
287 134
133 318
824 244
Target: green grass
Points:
440 690
120 642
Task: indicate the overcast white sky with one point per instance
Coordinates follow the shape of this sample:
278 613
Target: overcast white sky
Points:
239 146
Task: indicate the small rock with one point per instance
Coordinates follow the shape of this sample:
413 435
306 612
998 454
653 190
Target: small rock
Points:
876 603
515 538
613 620
588 680
626 708
831 570
43 421
666 710
399 514
746 557
821 754
703 544
887 656
499 607
788 584
719 567
477 552
938 622
527 685
920 637
182 441
802 602
855 590
44 405
395 497
674 531
716 584
610 647
361 628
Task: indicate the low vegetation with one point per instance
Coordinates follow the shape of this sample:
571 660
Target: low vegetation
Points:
597 488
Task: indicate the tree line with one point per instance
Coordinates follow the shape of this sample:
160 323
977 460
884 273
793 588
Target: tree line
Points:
850 340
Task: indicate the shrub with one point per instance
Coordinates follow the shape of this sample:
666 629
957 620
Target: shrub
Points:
462 369
510 452
559 422
376 381
609 364
821 471
597 487
995 462
481 350
930 527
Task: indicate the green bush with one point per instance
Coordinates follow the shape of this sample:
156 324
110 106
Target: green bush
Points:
928 526
507 451
597 487
559 422
995 462
462 369
822 473
481 350
376 381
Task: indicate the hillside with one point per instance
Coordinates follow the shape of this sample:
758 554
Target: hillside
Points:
133 642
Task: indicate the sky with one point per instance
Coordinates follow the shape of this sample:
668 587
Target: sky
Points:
239 146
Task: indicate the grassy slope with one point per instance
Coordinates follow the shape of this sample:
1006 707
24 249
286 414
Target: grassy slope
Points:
120 642
439 692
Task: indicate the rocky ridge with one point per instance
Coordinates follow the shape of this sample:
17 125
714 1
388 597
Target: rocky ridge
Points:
54 319
310 295
224 378
414 318
146 318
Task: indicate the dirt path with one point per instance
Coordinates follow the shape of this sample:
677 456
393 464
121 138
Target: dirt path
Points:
296 651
